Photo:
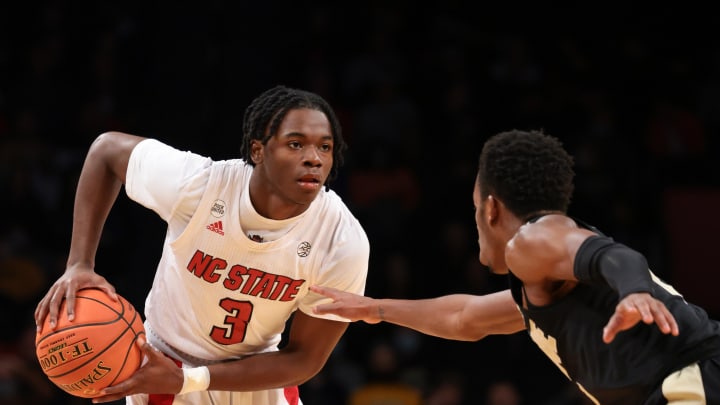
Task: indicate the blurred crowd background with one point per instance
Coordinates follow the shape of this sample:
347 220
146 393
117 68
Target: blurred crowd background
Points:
632 93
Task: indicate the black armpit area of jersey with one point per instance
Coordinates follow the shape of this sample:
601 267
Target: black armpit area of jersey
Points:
602 260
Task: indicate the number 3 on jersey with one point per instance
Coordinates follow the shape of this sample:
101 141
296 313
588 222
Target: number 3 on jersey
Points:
236 322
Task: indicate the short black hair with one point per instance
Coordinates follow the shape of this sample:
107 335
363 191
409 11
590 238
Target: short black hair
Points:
265 113
528 171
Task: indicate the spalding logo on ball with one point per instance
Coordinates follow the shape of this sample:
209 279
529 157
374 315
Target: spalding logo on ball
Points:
94 351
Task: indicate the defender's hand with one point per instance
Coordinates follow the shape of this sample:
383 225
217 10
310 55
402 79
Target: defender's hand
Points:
348 305
639 307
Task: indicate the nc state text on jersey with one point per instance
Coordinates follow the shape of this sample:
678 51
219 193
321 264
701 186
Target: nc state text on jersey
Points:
254 282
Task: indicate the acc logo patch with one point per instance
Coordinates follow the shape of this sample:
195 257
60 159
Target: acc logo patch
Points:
303 249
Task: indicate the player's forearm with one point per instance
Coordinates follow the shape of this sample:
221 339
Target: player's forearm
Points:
261 372
457 317
434 316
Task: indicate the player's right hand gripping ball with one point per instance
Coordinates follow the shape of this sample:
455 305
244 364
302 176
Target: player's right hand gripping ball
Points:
96 350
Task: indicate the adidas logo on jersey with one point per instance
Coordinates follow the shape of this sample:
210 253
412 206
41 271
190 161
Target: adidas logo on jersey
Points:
216 227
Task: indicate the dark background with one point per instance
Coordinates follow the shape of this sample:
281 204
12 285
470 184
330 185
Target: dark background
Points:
631 91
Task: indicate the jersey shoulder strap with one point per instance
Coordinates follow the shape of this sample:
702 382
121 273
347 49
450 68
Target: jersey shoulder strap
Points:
587 226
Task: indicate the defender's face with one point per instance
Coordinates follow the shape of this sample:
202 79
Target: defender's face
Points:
477 202
296 162
492 251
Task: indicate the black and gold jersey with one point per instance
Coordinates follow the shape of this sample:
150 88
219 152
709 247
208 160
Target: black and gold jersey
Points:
569 331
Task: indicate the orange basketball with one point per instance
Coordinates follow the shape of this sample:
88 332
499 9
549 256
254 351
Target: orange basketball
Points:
95 350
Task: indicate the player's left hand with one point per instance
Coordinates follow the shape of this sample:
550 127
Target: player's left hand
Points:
158 375
639 307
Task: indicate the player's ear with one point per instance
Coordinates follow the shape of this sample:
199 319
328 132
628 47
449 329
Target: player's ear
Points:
492 209
256 151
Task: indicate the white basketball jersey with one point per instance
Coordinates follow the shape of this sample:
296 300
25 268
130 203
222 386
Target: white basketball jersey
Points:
216 293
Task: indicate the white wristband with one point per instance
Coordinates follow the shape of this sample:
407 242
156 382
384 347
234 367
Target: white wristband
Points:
195 379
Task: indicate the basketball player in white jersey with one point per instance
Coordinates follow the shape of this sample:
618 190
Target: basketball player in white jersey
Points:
245 239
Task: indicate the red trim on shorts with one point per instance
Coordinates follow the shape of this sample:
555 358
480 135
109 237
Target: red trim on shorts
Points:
163 399
292 394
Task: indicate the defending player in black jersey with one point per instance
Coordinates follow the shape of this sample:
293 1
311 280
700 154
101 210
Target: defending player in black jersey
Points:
591 304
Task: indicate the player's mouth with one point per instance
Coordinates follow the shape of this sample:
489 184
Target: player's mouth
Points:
309 182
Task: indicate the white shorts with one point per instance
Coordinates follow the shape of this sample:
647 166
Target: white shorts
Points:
286 396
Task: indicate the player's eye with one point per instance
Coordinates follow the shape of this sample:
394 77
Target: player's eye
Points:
294 145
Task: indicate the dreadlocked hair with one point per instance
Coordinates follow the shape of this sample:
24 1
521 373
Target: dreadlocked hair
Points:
263 116
528 171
